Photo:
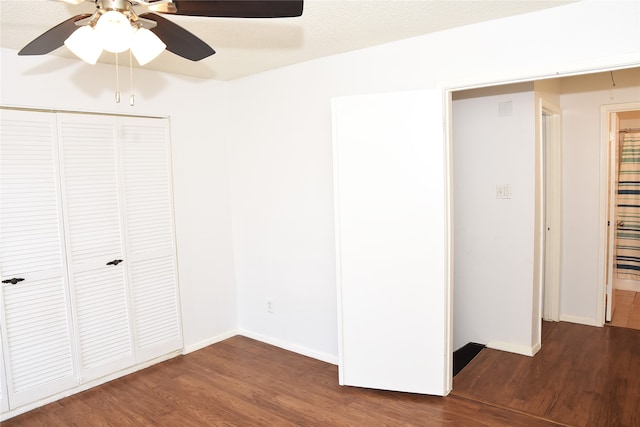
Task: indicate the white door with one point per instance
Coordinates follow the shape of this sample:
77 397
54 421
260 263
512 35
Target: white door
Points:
551 120
35 311
153 274
97 262
391 182
613 223
4 400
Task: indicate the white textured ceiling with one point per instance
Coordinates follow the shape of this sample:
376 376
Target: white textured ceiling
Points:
248 46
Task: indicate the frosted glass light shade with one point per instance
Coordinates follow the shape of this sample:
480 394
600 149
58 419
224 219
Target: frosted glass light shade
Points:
115 31
145 46
85 44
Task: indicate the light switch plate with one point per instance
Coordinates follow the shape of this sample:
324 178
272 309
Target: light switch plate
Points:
503 191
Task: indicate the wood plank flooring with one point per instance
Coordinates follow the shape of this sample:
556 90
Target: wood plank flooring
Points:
627 310
582 376
242 382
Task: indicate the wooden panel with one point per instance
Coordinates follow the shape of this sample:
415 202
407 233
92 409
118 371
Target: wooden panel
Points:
4 394
91 188
156 308
149 231
103 320
390 182
29 218
37 333
94 238
147 175
36 324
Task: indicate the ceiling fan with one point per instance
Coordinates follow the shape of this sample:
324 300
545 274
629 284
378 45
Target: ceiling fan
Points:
146 33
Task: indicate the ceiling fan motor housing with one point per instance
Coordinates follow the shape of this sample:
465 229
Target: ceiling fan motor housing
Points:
123 6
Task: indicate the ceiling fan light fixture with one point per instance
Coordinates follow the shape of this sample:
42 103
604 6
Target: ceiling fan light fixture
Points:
146 46
115 31
85 44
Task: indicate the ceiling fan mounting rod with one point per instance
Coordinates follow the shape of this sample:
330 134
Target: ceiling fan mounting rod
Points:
123 6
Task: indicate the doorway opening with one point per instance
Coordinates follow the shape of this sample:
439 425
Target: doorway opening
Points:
621 135
551 145
502 188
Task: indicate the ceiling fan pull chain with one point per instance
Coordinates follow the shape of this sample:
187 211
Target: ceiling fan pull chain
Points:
132 97
117 82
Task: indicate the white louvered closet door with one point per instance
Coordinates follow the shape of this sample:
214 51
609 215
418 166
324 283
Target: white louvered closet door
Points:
35 319
95 245
4 399
150 236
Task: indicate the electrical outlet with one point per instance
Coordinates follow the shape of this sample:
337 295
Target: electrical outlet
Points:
270 306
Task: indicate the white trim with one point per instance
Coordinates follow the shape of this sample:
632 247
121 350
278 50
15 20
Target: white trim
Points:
337 234
447 108
514 348
573 71
210 341
552 251
627 285
324 357
577 70
65 111
580 320
603 242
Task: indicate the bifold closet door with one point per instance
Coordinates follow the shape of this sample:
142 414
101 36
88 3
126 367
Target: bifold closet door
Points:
95 243
393 256
36 320
146 161
4 396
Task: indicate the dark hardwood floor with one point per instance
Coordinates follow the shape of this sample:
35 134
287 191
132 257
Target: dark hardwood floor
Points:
583 376
242 382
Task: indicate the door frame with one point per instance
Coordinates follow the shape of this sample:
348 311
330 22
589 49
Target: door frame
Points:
551 210
607 208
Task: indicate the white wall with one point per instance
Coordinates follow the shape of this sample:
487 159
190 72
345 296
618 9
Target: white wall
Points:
200 165
281 169
580 101
494 238
278 129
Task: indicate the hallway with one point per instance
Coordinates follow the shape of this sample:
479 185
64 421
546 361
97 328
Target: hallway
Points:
627 310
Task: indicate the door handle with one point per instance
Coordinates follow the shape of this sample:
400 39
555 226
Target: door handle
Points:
114 262
14 280
620 223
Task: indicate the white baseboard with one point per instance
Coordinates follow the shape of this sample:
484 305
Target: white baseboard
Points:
209 341
627 285
514 348
536 348
291 347
580 320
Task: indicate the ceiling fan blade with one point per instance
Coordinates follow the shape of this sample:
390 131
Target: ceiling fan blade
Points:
54 38
240 8
178 40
